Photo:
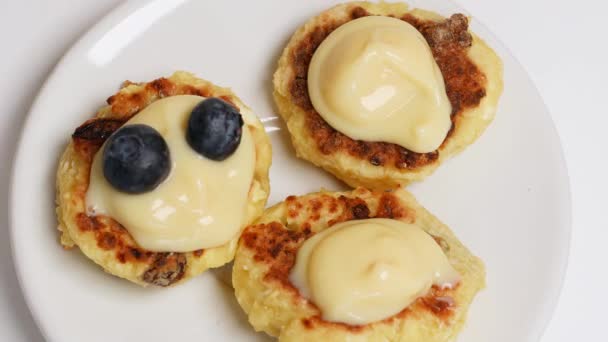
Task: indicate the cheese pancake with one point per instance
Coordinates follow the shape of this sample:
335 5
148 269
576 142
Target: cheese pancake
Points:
103 239
267 251
473 80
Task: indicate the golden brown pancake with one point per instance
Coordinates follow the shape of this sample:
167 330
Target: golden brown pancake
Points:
106 241
267 251
473 78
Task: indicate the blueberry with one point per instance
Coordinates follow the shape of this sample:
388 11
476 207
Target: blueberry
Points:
136 159
214 129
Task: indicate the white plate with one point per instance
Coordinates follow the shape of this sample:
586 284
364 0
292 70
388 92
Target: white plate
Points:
506 196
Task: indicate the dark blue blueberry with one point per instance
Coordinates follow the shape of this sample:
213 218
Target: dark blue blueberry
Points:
214 129
136 159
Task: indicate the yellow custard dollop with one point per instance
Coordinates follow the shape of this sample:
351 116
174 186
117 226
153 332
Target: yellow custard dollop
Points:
202 202
375 79
361 271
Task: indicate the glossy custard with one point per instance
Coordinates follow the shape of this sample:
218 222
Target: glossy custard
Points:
361 271
202 202
375 79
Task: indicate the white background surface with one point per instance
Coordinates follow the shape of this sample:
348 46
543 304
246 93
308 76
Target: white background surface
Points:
562 45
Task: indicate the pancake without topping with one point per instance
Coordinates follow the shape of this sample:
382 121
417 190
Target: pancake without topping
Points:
267 251
106 241
471 70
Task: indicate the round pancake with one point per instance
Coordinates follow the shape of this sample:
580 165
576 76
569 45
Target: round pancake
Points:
267 251
104 240
471 70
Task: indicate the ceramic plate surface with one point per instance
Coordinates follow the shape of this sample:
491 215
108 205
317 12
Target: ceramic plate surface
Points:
506 196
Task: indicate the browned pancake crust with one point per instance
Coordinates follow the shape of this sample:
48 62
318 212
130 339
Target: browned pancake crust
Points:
276 246
449 41
165 268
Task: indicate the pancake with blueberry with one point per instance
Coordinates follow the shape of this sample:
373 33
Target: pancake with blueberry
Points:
380 95
158 185
354 266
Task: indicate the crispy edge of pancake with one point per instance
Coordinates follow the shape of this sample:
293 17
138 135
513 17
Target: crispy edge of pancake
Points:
104 240
267 251
354 170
